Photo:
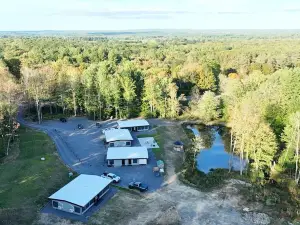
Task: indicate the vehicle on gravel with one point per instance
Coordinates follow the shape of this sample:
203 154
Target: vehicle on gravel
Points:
138 186
80 126
63 120
98 124
107 129
111 176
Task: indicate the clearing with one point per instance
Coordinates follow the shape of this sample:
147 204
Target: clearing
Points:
175 203
26 181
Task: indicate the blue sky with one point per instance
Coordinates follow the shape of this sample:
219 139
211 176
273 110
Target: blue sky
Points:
148 14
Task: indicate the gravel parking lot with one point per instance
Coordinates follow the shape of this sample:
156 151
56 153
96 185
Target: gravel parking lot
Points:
84 151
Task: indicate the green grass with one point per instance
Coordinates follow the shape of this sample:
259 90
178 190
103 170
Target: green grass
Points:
2 149
26 181
132 191
158 137
210 181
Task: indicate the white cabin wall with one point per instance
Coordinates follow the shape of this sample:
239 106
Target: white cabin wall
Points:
65 206
142 161
118 163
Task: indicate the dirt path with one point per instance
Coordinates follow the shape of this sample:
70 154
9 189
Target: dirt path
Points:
175 203
179 204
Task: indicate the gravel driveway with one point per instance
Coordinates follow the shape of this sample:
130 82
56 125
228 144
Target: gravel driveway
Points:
84 151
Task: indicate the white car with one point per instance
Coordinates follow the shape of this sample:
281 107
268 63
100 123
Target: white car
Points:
111 176
107 129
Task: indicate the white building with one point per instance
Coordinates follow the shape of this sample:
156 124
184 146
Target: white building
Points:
118 138
80 194
126 156
134 125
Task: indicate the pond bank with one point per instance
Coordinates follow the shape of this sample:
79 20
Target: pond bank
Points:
214 155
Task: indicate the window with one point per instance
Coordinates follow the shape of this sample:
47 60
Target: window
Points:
128 143
111 162
134 161
55 204
111 144
77 209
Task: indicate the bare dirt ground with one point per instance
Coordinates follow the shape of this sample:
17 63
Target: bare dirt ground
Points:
175 203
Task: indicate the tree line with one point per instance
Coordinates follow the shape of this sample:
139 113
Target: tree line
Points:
252 84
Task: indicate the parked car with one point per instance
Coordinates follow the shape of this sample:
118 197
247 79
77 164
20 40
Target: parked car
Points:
107 129
98 124
63 120
111 176
80 126
138 186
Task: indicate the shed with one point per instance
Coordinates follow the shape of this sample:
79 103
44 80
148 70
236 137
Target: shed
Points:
178 146
80 194
134 125
118 138
127 156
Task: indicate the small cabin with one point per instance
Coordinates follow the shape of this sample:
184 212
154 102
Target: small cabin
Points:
127 156
118 138
134 125
80 194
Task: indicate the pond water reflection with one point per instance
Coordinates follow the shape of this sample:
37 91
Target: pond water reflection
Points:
214 154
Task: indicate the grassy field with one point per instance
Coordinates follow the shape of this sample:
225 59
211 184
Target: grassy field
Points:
158 137
26 181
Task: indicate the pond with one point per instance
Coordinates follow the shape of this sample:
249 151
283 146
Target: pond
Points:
215 151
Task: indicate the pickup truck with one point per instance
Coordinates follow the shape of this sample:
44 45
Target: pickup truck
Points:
111 176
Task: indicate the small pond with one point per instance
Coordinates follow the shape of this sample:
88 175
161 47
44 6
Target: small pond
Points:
215 152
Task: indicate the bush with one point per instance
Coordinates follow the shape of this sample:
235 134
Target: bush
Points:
206 182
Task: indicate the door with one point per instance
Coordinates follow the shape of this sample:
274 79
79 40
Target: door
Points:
123 162
129 162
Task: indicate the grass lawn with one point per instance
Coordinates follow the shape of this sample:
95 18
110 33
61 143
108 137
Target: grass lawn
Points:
158 137
26 181
165 136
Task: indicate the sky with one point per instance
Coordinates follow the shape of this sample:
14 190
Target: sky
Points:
16 15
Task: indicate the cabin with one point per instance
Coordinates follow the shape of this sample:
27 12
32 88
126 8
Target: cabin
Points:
127 156
134 125
80 194
118 138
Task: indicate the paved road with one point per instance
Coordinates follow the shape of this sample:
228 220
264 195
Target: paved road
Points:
84 151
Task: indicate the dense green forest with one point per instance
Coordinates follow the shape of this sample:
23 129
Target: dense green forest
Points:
251 83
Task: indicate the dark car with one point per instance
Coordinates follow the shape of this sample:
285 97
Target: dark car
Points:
63 120
98 124
138 185
80 126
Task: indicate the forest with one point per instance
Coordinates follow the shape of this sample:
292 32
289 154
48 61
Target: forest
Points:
250 83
